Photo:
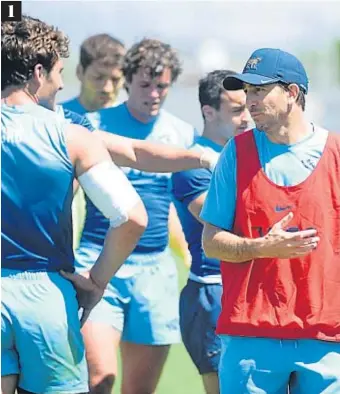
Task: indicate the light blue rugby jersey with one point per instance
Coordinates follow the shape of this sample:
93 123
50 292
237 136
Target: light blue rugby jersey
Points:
153 188
74 118
36 190
74 106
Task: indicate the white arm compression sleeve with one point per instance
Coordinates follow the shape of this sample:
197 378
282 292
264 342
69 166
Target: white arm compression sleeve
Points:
110 191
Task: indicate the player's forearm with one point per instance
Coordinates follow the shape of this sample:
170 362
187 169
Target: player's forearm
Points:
119 243
120 148
164 158
150 156
226 246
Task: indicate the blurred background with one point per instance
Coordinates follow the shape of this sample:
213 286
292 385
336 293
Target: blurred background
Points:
209 35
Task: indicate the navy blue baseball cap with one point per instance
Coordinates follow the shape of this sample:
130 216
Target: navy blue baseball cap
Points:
268 65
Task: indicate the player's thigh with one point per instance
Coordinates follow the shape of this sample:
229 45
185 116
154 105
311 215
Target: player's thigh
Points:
200 306
317 368
44 312
102 333
254 365
102 347
9 384
153 317
142 367
102 330
210 383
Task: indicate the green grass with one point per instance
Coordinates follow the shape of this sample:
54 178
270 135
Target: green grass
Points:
179 375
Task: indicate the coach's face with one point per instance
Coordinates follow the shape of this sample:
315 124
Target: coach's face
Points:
269 105
50 84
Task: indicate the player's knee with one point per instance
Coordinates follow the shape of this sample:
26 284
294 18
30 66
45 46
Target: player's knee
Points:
210 382
139 387
102 384
137 390
8 383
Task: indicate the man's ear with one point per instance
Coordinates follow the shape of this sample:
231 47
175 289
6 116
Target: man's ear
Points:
39 72
209 113
294 91
80 72
38 77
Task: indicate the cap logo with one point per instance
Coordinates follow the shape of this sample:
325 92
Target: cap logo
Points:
252 63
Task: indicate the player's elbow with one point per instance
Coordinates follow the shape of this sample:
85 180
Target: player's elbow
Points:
137 219
134 224
208 242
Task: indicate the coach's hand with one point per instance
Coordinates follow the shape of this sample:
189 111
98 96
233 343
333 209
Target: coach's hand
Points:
284 244
88 292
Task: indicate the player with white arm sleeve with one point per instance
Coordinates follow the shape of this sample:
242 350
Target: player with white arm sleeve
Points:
42 347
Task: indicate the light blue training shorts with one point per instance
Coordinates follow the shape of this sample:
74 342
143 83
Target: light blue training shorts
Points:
272 366
142 299
40 333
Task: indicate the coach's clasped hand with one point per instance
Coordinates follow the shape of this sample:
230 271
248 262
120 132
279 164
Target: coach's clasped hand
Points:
284 244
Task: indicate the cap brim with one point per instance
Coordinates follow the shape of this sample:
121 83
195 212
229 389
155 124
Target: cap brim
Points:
236 81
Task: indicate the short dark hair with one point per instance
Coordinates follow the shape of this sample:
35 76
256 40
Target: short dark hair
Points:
152 55
25 44
211 87
103 47
301 98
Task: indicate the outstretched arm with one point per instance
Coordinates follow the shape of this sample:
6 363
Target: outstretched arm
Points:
153 157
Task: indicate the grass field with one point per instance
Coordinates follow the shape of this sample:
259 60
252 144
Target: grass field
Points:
179 374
